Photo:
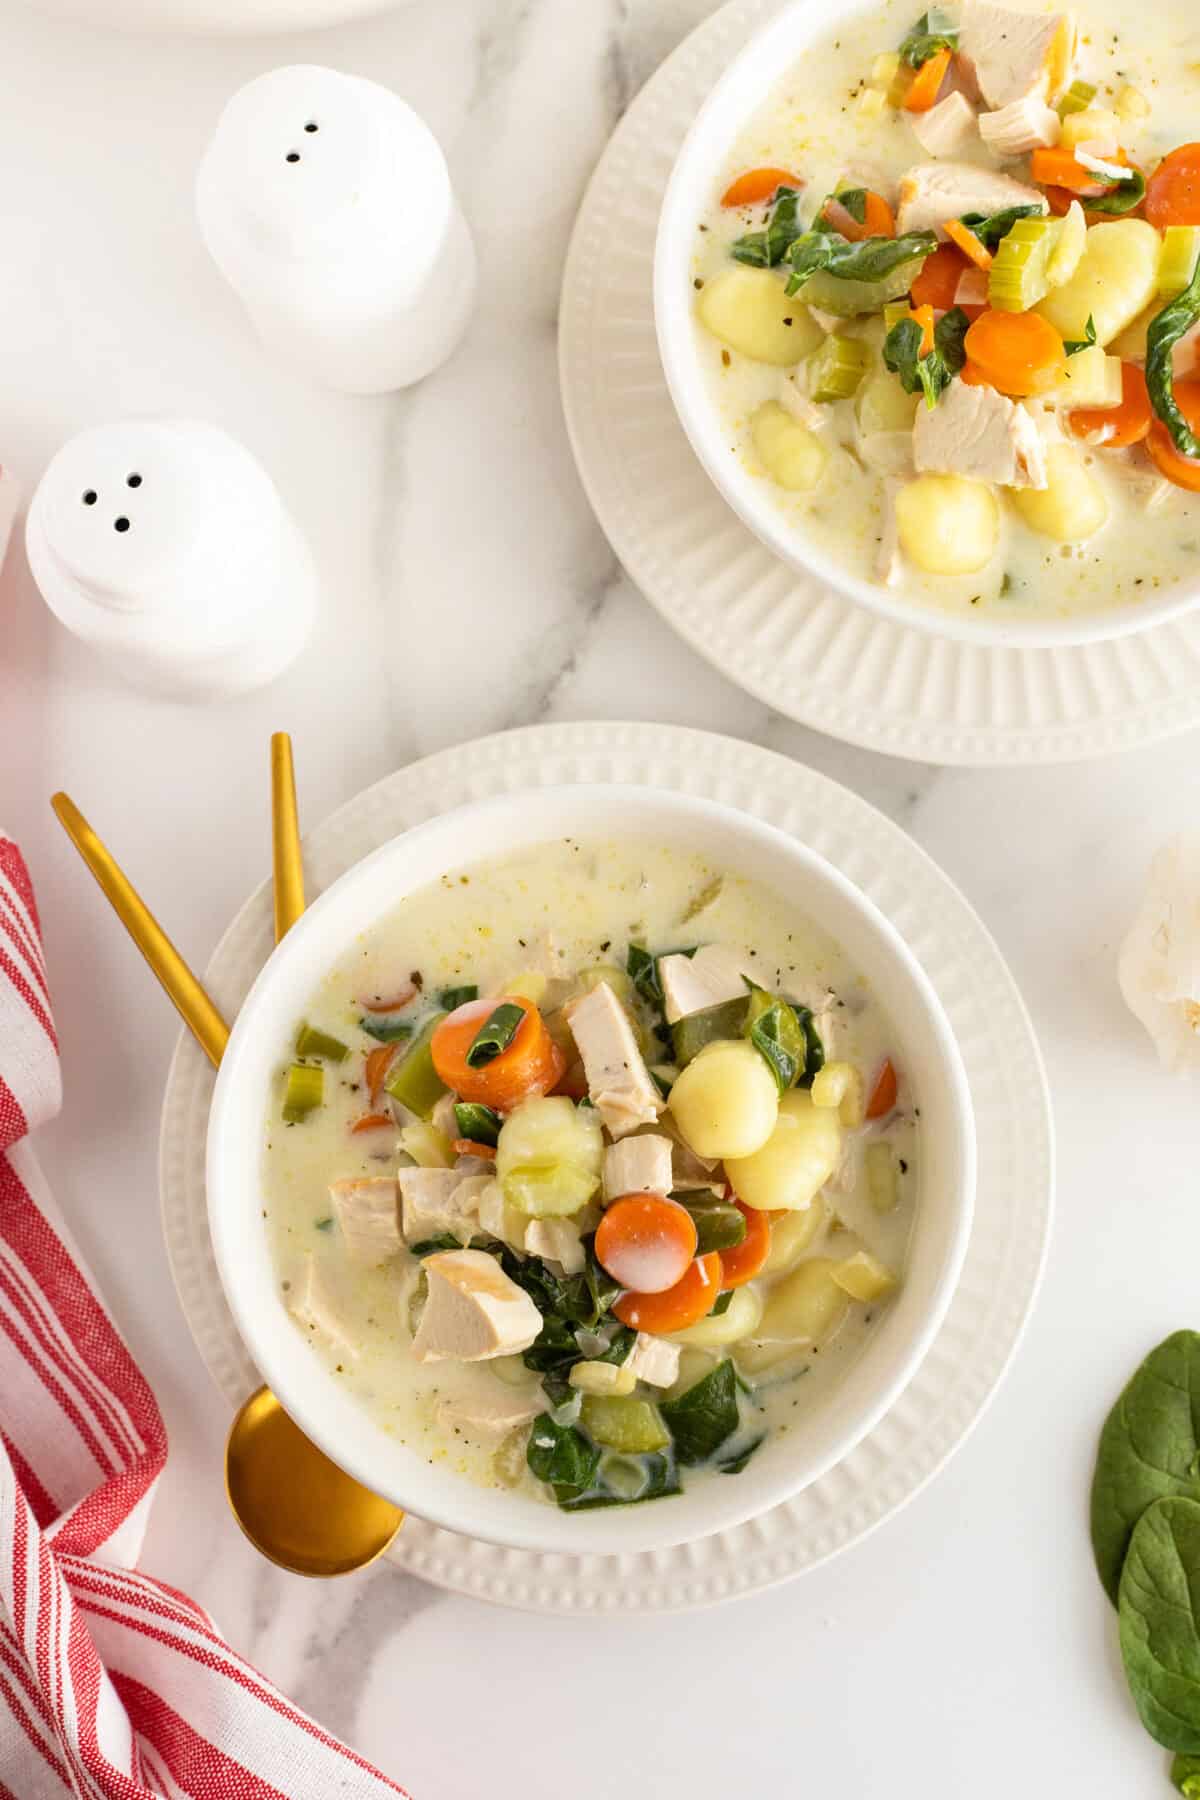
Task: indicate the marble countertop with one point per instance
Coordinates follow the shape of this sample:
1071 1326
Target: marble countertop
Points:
966 1646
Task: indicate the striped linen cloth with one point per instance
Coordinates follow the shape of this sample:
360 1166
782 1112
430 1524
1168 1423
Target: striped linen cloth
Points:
113 1686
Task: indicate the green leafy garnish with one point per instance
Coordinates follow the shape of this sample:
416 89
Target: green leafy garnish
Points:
445 1240
325 1224
627 1481
561 1455
815 1060
719 1226
703 1417
733 1465
855 202
385 1031
479 1123
935 30
766 249
1073 346
989 228
452 997
932 373
777 1035
723 1301
1164 333
495 1035
870 259
1122 198
1149 1449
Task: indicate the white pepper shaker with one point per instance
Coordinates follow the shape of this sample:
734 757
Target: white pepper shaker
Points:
326 203
165 545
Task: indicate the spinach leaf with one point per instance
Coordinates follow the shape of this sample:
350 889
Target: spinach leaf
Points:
385 1031
568 1304
1122 198
495 1035
1073 346
325 1224
733 1465
445 1241
766 249
933 372
723 1302
778 1036
935 30
562 1456
1149 1449
453 997
479 1123
627 1481
702 1418
1159 1612
1164 333
989 228
855 202
1185 1774
870 259
815 1049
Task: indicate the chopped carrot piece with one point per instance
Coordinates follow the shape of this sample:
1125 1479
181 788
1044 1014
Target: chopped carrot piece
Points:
924 318
883 1094
372 1121
878 218
1173 191
690 1300
938 281
377 1065
927 83
743 1262
1120 425
757 185
531 1063
1182 470
1060 168
469 1147
968 243
646 1242
973 375
1018 353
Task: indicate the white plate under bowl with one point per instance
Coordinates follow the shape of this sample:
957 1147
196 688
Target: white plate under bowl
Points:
1008 1092
790 638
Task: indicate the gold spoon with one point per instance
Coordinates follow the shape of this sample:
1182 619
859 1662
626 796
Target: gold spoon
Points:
295 1505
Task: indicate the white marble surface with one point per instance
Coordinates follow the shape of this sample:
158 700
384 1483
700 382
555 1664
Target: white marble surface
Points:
966 1646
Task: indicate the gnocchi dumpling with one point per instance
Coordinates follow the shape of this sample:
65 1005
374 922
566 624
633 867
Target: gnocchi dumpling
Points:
793 1164
740 1319
948 524
881 404
806 1307
725 1103
791 1237
793 456
1072 505
751 311
1115 279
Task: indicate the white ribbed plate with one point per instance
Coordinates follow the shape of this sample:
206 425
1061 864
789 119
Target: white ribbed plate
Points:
1012 1118
788 639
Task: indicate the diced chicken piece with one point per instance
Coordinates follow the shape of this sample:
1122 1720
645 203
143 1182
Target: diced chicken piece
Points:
368 1215
653 1360
1022 126
558 1241
491 1412
931 193
977 432
312 1305
690 983
1016 54
435 1201
473 1310
946 127
619 1082
638 1165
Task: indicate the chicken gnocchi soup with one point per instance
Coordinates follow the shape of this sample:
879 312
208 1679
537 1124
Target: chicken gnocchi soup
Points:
947 297
587 1169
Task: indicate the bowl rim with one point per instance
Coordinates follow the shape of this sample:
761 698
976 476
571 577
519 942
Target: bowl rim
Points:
231 1177
779 44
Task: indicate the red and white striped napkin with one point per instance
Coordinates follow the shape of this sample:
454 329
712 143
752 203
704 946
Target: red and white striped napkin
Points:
113 1686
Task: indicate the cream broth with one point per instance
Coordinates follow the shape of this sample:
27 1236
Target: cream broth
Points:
567 906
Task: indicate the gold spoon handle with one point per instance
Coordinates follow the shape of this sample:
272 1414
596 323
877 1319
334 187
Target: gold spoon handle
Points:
191 1000
285 837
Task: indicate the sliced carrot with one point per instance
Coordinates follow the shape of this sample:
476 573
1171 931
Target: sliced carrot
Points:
372 1121
531 1064
938 281
468 1147
878 219
574 1083
757 185
377 1065
968 243
646 1242
1061 169
883 1094
397 1003
744 1261
690 1300
1017 353
973 375
927 83
1173 191
1180 469
1120 425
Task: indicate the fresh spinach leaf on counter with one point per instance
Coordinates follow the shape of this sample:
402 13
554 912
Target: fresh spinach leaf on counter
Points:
1159 1612
1121 199
1149 1450
1073 346
563 1456
935 30
703 1417
933 372
733 1465
766 249
989 228
1165 331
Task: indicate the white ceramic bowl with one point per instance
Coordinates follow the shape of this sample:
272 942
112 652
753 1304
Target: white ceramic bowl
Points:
748 81
264 1026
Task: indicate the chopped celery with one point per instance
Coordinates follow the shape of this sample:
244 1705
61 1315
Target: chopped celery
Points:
1177 263
311 1042
893 312
691 1034
880 1168
633 1426
549 1156
848 298
1091 378
303 1091
719 1225
1018 279
836 368
414 1081
428 1147
1078 98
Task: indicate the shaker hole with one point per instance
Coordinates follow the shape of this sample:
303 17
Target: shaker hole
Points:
121 524
90 497
133 481
312 126
292 156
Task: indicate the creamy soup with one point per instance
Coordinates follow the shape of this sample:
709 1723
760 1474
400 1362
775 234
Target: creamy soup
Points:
1010 461
589 1168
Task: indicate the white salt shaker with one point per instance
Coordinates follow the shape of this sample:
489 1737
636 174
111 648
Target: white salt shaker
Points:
166 546
326 203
